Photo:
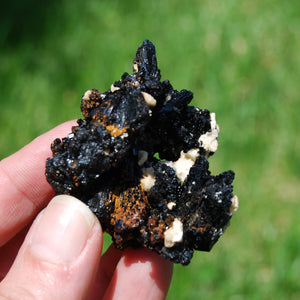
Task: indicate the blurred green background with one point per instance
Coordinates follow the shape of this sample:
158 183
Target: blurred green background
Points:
240 58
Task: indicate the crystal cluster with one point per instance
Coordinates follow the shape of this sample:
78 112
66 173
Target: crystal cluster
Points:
138 159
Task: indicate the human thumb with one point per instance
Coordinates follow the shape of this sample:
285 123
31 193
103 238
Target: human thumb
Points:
60 255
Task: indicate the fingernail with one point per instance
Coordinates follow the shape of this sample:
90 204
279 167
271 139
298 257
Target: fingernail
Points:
62 230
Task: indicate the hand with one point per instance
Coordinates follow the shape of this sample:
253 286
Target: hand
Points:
58 256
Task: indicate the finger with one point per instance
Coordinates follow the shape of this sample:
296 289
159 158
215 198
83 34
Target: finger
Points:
23 186
105 272
60 255
9 251
140 274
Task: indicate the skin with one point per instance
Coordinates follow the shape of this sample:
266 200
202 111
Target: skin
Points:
50 247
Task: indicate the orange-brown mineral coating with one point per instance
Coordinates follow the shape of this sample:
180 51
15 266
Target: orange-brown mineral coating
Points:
114 130
90 100
171 205
131 206
131 209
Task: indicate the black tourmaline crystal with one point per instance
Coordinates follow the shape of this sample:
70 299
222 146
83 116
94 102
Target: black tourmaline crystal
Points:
138 159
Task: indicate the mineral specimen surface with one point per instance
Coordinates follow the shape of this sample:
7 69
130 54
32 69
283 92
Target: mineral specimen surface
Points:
138 159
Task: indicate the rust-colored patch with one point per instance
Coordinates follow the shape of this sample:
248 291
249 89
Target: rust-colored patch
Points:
157 230
130 207
201 230
90 101
115 131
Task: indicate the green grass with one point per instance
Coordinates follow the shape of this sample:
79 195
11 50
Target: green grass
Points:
240 58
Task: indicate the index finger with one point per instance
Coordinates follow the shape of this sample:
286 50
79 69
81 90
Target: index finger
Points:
24 190
140 274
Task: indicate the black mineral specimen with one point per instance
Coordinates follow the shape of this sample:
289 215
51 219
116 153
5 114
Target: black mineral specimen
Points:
138 159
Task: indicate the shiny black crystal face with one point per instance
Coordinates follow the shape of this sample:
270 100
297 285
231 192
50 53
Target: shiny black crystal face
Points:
171 205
